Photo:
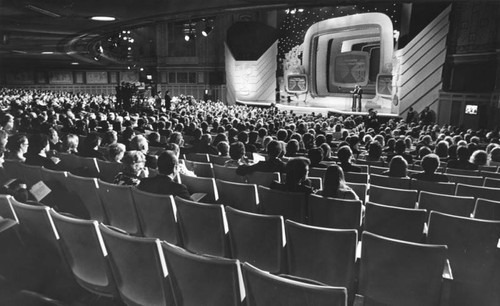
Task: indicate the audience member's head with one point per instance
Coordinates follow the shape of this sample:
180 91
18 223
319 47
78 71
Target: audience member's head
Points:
38 143
274 149
18 143
495 155
139 143
292 148
375 150
110 137
333 181
70 143
441 149
116 152
237 150
92 141
174 148
223 148
480 158
296 171
398 166
168 163
344 154
463 153
315 155
430 163
133 162
400 147
423 151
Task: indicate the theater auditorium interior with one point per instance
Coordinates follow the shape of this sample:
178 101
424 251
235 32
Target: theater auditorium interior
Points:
249 152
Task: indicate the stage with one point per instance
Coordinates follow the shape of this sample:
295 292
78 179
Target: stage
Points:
305 104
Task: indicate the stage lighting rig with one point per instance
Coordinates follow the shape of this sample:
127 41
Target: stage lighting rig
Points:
189 31
209 27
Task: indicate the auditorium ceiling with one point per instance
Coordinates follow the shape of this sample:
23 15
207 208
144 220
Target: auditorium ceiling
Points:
60 32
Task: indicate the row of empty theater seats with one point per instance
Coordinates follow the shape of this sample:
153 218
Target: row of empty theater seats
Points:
320 251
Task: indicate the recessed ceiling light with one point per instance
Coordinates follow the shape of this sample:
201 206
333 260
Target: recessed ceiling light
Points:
75 63
103 18
47 52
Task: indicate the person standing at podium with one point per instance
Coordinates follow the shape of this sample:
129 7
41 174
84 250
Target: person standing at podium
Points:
357 94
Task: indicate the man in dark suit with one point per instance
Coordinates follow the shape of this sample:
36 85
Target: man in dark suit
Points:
168 101
357 94
272 164
163 183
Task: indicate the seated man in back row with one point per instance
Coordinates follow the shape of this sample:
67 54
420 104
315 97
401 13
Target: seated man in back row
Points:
163 183
272 164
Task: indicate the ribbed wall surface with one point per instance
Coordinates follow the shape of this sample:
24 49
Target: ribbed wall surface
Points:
419 66
251 81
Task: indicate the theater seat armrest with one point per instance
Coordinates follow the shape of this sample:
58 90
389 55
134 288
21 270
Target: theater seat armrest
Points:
447 283
359 300
198 196
447 272
5 224
302 279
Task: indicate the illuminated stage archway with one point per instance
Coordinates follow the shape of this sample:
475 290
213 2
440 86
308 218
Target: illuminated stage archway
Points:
340 53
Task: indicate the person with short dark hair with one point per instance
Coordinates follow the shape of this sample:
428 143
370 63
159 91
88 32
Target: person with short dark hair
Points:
315 155
37 152
430 163
17 146
163 183
223 148
272 164
205 145
344 154
296 177
89 146
292 148
168 101
237 154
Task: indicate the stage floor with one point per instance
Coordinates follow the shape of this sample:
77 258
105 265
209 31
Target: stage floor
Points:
341 105
303 104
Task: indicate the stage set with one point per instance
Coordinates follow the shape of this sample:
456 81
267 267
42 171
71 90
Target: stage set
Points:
321 73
